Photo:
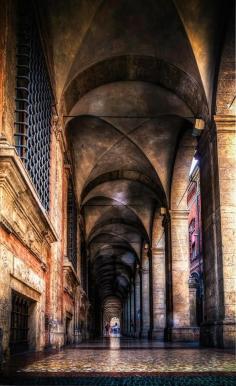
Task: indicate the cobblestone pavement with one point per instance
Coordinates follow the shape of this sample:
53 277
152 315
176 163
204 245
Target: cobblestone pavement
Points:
114 363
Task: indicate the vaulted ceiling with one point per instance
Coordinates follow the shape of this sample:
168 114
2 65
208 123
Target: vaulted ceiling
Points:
130 77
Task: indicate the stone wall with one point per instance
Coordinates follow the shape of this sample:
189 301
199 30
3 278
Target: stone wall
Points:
21 272
33 241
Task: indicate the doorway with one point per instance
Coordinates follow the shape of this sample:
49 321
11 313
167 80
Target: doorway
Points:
68 329
19 335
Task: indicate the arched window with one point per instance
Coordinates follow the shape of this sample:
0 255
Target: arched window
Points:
34 101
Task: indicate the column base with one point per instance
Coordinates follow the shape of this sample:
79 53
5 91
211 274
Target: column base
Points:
218 334
144 334
77 337
158 334
184 334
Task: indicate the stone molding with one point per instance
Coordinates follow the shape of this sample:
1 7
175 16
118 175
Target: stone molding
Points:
69 267
25 289
179 214
26 275
158 251
70 278
220 124
21 212
225 123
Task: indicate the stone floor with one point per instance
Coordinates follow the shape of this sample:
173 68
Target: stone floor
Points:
117 361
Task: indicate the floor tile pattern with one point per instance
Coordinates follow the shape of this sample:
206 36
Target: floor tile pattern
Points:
123 363
163 360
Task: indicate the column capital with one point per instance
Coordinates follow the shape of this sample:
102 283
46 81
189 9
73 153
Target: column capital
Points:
225 123
158 251
179 213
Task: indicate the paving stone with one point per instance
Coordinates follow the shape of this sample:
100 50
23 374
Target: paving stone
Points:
132 365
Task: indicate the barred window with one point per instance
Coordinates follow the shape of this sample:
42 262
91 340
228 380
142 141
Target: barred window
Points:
34 101
71 226
84 265
19 323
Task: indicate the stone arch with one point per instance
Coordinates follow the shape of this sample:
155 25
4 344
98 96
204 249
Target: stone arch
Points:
137 68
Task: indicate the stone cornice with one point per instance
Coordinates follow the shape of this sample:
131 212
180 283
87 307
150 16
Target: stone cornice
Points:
21 211
71 280
225 123
68 267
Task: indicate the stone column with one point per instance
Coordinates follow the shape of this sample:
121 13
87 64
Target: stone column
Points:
193 301
217 150
126 316
159 288
128 313
145 294
134 329
123 320
181 330
226 216
128 321
168 269
132 310
138 305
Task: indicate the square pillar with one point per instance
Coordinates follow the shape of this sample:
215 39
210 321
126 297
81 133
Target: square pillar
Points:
137 305
217 151
159 292
181 328
145 295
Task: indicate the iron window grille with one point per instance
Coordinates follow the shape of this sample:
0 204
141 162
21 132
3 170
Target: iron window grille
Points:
71 226
34 101
84 267
19 323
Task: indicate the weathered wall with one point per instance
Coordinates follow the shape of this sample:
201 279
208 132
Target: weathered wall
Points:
21 272
32 241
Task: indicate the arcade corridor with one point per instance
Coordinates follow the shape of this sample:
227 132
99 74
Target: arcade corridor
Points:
117 187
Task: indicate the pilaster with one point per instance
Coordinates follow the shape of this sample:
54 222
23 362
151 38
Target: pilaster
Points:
145 294
159 291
